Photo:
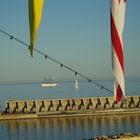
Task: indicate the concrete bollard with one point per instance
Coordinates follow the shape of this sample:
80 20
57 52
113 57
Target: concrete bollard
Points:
89 104
107 104
16 108
7 108
38 105
21 105
67 106
46 105
138 103
81 105
78 104
131 103
12 106
115 105
25 108
31 106
73 104
98 104
59 106
50 107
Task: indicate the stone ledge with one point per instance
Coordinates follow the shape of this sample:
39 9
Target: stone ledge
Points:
122 136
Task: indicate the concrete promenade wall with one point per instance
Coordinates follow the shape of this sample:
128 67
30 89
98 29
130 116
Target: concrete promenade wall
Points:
71 105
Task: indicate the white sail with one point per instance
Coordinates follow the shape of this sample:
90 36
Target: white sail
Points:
76 84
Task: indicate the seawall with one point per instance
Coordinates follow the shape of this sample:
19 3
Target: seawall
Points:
25 109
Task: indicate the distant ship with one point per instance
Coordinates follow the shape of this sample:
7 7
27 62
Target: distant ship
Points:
76 84
48 83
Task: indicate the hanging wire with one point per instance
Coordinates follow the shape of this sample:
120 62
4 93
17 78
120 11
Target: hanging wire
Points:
57 62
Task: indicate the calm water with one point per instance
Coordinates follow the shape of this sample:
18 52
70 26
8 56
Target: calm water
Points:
65 128
68 128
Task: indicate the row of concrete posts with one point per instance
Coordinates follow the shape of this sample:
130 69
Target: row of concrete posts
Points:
65 105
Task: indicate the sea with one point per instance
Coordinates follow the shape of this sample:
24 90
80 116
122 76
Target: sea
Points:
66 128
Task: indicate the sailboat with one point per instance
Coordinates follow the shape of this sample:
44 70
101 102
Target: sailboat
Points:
48 83
76 84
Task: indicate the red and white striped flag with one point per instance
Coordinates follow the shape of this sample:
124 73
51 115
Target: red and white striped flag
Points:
117 17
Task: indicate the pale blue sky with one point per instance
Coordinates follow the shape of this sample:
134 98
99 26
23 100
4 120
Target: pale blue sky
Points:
75 32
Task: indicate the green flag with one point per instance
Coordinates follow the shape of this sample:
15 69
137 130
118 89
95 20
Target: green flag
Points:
35 14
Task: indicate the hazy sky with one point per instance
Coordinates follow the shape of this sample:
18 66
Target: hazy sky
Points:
75 32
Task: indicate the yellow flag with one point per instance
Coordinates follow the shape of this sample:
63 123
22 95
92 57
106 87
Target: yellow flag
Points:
35 14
